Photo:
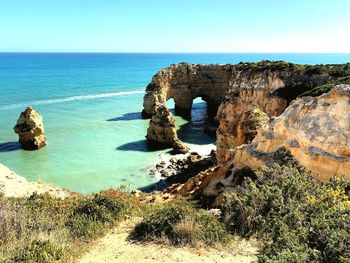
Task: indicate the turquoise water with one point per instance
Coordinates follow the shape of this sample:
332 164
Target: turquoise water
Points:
91 106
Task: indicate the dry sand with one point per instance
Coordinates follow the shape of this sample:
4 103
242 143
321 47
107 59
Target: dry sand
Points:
115 247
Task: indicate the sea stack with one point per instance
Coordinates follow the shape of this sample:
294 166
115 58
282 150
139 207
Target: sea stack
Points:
162 131
30 130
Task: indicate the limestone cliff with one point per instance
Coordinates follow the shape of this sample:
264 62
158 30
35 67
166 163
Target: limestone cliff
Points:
313 132
254 81
30 130
263 118
316 132
184 82
249 93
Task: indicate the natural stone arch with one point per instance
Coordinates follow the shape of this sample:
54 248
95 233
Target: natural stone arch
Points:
183 106
185 82
242 90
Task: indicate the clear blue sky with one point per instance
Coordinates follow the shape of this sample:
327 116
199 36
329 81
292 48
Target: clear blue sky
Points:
175 26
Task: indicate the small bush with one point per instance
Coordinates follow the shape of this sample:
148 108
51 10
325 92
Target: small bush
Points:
302 219
319 90
212 230
90 216
101 208
65 222
161 222
39 251
181 223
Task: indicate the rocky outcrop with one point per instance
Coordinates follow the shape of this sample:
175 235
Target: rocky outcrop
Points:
316 132
250 81
239 124
13 185
312 133
256 96
162 131
249 93
184 82
30 130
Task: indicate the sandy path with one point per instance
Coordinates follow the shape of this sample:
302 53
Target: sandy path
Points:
115 247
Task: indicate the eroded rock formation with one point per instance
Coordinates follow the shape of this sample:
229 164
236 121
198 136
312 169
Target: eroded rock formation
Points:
184 82
162 131
247 92
238 125
316 132
30 130
250 81
313 132
256 126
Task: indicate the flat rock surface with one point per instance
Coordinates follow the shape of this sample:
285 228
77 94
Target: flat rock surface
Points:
13 185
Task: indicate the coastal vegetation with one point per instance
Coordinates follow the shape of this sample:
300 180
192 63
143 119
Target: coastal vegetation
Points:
294 217
300 219
334 70
181 223
42 228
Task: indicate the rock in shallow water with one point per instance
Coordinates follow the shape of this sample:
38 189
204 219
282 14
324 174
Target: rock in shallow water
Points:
162 131
30 130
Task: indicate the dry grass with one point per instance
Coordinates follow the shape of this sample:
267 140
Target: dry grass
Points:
46 229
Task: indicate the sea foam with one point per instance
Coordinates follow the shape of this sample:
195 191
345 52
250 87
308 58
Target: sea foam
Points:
72 98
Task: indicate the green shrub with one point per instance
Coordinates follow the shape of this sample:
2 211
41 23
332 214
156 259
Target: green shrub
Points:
317 91
301 219
82 227
161 222
100 208
39 251
90 216
212 230
181 223
65 222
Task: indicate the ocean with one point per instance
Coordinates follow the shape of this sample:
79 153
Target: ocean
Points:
91 105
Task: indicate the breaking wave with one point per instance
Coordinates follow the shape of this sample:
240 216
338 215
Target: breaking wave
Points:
72 98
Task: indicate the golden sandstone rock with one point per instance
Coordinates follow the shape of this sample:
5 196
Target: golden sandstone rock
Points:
312 132
30 130
162 131
316 131
256 126
245 92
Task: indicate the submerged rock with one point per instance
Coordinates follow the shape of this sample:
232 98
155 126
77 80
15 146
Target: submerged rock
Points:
162 131
30 130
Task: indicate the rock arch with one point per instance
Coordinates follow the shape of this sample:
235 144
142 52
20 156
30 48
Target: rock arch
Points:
185 82
234 93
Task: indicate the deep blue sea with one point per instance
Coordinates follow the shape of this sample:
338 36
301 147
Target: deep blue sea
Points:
91 106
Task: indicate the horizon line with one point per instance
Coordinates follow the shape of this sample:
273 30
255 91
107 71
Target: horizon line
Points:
145 52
